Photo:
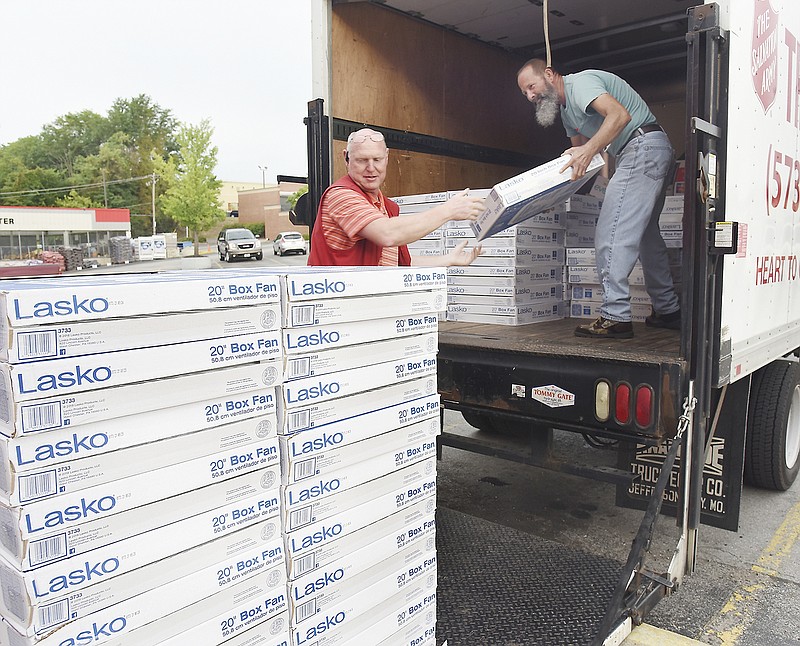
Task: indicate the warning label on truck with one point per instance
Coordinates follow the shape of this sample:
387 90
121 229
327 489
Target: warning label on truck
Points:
552 396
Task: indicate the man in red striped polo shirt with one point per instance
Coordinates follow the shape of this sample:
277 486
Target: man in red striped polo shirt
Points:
357 225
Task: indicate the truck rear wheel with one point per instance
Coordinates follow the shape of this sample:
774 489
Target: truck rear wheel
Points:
481 421
772 450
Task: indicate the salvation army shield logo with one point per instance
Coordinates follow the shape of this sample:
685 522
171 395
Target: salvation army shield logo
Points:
764 57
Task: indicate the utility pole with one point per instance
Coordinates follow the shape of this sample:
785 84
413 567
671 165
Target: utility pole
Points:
153 192
263 176
105 189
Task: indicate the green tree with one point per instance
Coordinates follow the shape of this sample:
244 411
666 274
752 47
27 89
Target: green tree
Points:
191 197
75 201
72 136
292 199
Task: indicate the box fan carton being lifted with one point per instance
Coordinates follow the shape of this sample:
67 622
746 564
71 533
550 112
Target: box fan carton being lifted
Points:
528 194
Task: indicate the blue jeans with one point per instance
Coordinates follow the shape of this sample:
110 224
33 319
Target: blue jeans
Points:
627 228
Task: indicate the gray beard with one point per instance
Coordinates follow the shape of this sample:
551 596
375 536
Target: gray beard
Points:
547 109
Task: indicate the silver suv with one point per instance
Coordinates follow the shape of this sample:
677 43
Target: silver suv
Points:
238 243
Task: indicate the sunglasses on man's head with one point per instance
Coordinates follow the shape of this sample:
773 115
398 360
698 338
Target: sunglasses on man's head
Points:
355 138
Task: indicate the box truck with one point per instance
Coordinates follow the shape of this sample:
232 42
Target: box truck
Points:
692 413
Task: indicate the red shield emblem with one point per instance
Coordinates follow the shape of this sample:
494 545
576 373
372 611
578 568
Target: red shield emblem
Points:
764 60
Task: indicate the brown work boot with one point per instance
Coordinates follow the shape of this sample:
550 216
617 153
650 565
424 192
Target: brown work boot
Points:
671 321
602 328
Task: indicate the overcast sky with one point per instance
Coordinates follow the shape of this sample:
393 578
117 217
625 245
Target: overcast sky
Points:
243 64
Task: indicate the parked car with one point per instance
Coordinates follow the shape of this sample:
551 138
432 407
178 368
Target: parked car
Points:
238 243
289 242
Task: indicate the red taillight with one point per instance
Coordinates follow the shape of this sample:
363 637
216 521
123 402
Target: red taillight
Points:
644 406
622 404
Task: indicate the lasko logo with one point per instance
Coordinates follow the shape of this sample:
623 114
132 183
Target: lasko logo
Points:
78 378
329 623
322 287
310 492
764 62
319 337
76 444
317 444
320 536
55 309
312 392
327 578
81 511
86 574
98 632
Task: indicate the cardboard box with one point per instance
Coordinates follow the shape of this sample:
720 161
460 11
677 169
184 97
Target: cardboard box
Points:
77 298
341 571
530 193
273 632
70 375
196 391
427 244
518 237
580 237
379 539
67 510
111 335
423 198
594 293
590 310
218 618
583 204
133 430
336 475
586 274
341 616
26 550
514 292
533 313
53 468
307 452
328 450
673 204
585 256
308 506
580 221
358 508
309 364
136 584
319 414
323 282
599 186
355 592
524 276
539 295
383 619
303 392
420 632
361 308
335 335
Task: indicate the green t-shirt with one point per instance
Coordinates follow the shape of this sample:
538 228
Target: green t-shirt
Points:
583 88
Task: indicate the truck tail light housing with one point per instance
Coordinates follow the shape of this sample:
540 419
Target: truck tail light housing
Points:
627 404
622 403
644 406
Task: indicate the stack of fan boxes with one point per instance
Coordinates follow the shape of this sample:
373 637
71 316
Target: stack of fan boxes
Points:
139 463
584 288
359 416
258 469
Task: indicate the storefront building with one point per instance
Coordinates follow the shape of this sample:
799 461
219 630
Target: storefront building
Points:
26 230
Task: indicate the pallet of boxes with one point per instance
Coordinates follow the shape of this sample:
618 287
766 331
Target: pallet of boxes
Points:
162 484
519 277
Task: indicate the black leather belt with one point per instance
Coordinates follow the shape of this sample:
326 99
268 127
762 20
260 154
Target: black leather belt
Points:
643 130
